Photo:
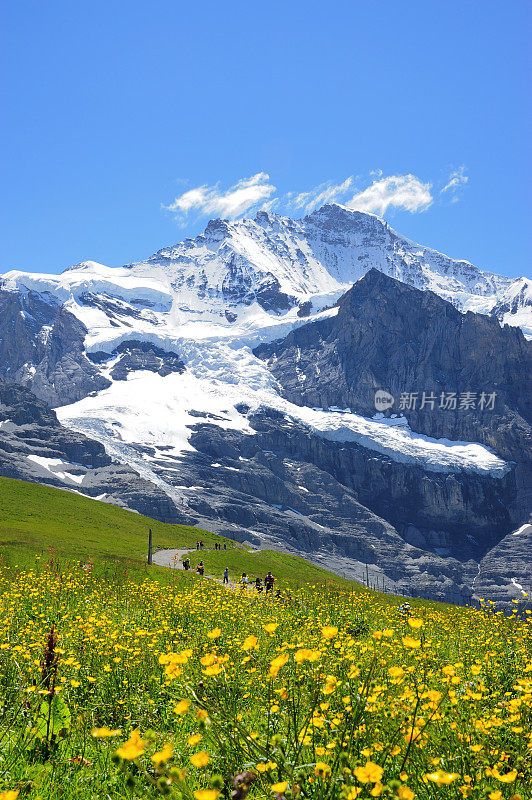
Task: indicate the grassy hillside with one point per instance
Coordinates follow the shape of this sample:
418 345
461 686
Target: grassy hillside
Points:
35 518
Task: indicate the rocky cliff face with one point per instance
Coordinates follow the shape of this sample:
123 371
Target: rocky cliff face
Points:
42 347
452 375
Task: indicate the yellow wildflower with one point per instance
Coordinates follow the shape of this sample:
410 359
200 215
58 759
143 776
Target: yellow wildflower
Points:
163 755
442 778
411 643
133 748
200 759
105 733
182 707
322 770
369 773
271 627
303 654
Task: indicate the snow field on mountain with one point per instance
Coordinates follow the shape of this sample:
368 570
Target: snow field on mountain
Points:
152 410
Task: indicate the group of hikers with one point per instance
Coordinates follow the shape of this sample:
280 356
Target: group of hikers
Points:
260 586
244 582
200 568
200 544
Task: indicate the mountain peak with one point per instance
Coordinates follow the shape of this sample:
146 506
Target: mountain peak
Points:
336 211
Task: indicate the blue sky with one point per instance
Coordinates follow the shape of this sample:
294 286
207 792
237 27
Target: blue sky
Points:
113 111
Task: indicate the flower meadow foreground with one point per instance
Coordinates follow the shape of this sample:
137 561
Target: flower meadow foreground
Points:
115 688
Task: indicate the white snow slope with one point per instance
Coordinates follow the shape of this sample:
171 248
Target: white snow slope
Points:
213 298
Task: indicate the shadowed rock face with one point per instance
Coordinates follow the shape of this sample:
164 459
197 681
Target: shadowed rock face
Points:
388 335
134 355
512 559
41 347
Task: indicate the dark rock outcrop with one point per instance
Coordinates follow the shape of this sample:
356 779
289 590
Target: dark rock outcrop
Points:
137 355
505 572
389 336
42 347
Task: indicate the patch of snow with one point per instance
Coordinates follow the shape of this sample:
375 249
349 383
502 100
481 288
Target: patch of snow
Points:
57 467
522 529
518 586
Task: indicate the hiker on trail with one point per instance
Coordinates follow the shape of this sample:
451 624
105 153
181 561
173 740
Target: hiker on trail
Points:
258 584
226 575
197 545
269 580
200 568
225 546
201 544
244 580
186 564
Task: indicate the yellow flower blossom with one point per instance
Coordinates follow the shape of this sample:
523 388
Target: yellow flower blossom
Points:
163 755
133 748
369 773
200 759
405 793
509 777
105 733
411 643
304 654
182 707
442 778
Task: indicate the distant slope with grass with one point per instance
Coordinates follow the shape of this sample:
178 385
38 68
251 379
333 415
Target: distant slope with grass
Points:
35 519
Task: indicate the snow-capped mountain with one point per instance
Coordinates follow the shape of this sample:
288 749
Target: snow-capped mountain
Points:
160 362
278 262
273 264
514 305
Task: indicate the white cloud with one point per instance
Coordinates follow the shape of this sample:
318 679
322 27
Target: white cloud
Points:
456 178
395 191
234 202
324 193
258 193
